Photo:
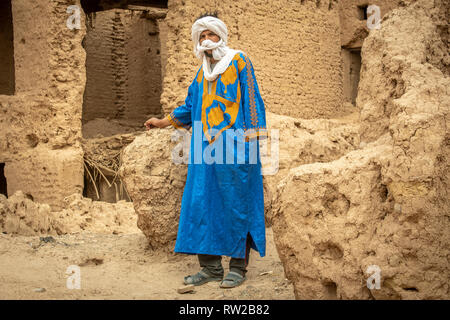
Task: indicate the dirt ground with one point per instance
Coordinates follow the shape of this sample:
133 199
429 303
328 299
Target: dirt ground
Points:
122 267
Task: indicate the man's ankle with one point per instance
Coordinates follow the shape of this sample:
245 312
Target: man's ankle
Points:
213 273
238 271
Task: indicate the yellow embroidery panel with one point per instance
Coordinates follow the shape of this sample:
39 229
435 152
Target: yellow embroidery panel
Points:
229 77
241 62
215 115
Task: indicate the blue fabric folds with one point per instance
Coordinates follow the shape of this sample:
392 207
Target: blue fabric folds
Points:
223 199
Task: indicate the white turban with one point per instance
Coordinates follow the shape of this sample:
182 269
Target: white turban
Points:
220 50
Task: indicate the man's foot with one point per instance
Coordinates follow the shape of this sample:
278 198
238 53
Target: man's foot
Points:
232 280
200 278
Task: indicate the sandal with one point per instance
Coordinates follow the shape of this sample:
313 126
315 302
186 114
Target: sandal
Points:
200 278
233 279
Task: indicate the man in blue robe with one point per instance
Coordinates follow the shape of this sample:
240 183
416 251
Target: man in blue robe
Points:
222 209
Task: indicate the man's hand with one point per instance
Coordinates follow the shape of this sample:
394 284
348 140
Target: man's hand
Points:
156 123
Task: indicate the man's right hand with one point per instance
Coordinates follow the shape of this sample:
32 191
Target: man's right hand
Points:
156 123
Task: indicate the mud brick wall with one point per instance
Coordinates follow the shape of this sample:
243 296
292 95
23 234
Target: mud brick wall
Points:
294 47
40 125
123 66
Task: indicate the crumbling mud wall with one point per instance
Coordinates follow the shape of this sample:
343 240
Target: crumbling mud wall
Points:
353 19
386 205
20 215
40 125
155 183
294 47
302 141
396 62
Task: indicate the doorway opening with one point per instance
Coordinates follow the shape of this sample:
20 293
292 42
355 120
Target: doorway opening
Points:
3 186
7 72
125 66
125 62
351 61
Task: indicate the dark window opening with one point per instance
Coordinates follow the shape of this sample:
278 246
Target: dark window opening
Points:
7 73
3 187
362 12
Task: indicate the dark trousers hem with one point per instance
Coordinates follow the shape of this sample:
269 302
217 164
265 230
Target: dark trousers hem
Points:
212 264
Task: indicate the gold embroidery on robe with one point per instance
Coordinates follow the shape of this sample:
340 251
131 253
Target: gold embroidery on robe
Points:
215 115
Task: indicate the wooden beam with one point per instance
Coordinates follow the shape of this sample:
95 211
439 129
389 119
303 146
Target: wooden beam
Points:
151 12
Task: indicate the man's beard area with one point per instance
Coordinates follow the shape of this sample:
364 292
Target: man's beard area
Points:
209 55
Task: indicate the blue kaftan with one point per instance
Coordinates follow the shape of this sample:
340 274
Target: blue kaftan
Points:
223 202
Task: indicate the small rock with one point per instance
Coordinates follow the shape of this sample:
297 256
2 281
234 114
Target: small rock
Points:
47 239
39 290
266 272
186 289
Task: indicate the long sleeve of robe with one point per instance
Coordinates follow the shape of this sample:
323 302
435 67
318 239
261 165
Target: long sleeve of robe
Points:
223 200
